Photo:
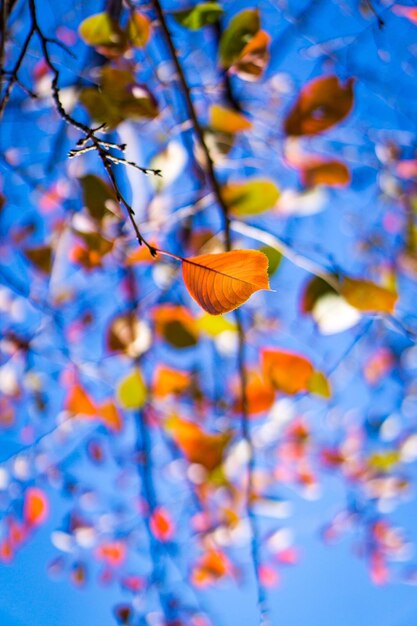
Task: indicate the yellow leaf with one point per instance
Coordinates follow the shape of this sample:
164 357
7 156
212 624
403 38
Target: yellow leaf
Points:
103 32
214 326
367 296
250 197
131 391
319 384
222 282
139 29
227 120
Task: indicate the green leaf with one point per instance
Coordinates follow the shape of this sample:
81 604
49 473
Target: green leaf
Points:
274 258
201 15
250 198
97 195
241 29
131 391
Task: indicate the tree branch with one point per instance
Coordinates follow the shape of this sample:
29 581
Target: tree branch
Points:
214 183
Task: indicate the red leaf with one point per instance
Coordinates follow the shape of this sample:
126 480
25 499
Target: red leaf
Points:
161 524
35 507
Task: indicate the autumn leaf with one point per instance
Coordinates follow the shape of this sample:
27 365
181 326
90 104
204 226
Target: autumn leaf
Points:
138 29
211 566
141 254
260 395
110 416
78 402
220 283
103 32
250 197
97 195
168 381
254 58
201 15
198 446
80 405
161 524
367 296
176 325
409 12
40 257
131 390
35 507
292 373
227 121
240 30
113 553
118 97
318 171
322 103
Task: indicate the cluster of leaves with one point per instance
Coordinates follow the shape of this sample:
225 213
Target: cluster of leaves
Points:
189 430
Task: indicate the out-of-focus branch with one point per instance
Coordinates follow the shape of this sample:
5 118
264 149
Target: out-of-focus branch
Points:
194 118
297 259
215 185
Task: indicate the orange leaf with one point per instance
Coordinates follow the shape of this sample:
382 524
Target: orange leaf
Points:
287 371
322 103
110 416
321 172
206 449
141 255
210 567
35 507
79 402
260 395
168 381
6 551
222 282
113 553
409 12
254 57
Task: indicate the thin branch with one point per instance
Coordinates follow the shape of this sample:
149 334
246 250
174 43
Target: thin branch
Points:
196 124
297 259
14 72
144 170
246 435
